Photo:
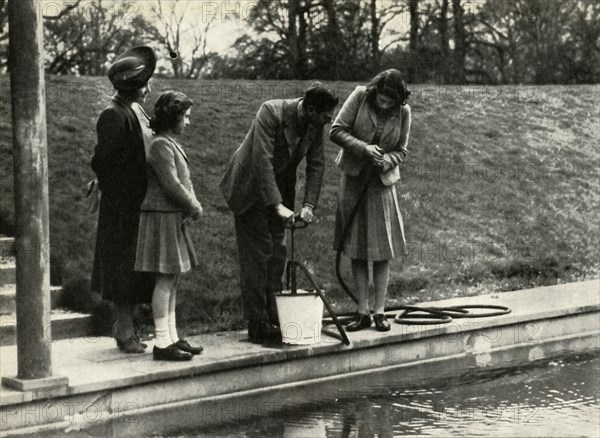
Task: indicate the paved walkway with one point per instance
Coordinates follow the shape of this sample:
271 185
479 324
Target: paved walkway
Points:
93 364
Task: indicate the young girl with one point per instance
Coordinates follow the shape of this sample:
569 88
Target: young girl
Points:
164 246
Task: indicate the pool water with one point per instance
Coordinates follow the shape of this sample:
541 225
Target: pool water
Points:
557 398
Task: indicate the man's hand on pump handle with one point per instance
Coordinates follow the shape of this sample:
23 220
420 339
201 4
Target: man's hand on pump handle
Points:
306 213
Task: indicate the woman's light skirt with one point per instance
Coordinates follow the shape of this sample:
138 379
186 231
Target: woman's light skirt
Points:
377 232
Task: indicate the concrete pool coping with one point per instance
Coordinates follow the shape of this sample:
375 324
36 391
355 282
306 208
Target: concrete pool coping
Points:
544 322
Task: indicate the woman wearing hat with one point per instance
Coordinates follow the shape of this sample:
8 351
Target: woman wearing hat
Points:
119 162
372 129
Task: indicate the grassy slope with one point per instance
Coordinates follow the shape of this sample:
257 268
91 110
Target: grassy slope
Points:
498 192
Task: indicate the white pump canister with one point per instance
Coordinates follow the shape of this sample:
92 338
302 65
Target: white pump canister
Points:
300 317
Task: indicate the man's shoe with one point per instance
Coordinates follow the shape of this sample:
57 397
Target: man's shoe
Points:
363 322
131 345
262 331
184 345
171 353
381 322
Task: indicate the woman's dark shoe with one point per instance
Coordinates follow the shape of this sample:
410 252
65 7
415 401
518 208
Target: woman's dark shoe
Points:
171 353
121 344
363 322
131 345
381 323
143 344
127 343
184 345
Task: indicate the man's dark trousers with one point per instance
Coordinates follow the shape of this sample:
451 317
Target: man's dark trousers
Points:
260 237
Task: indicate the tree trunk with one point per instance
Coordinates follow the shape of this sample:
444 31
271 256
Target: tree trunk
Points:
95 61
460 43
513 51
413 6
447 66
293 12
333 40
375 31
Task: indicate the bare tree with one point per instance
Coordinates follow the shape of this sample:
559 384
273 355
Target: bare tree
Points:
184 40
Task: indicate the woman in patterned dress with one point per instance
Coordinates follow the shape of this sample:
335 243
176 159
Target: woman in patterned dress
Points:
372 129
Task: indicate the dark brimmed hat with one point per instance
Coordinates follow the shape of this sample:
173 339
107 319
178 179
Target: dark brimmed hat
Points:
133 68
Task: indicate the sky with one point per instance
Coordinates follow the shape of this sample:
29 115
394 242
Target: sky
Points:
230 18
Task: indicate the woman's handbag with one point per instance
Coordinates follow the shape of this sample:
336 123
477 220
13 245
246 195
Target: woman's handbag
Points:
93 195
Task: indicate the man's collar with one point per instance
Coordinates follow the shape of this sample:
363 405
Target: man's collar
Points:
301 118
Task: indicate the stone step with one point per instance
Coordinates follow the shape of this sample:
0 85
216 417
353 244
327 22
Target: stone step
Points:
8 297
7 247
8 271
65 325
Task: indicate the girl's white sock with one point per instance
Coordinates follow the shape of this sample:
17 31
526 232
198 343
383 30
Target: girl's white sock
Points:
172 317
161 331
173 327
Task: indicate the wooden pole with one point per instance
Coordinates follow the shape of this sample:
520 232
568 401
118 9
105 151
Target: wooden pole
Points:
26 63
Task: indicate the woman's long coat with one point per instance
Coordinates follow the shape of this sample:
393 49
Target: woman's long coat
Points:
120 165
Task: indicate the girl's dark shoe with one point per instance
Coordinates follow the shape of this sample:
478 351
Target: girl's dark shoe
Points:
363 322
131 345
171 353
184 345
381 322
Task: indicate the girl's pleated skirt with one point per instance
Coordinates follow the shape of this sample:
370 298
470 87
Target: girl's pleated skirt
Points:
164 244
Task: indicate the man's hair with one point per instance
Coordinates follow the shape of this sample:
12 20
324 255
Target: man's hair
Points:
171 105
320 98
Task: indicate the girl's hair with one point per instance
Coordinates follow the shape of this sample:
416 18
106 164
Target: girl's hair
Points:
169 108
391 84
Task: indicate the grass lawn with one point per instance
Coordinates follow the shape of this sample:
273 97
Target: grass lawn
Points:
500 190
